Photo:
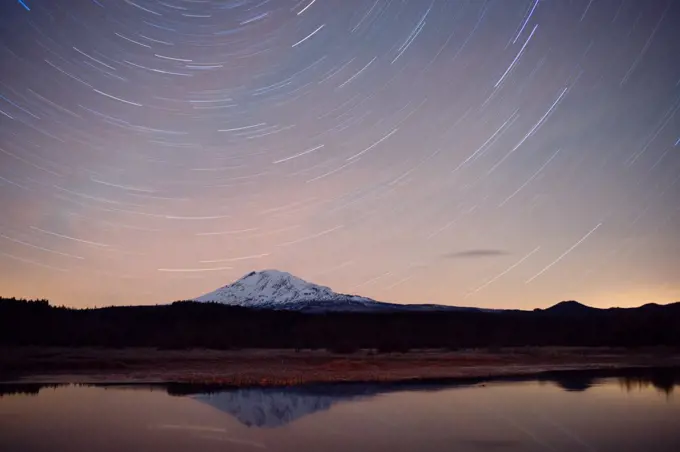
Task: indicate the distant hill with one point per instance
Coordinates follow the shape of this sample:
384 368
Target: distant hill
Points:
571 308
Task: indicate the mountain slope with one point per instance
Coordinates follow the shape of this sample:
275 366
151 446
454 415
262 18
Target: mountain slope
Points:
274 289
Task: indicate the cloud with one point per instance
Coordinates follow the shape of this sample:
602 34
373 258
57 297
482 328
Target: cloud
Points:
474 253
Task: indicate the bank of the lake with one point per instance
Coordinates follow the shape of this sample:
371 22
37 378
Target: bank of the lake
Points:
286 367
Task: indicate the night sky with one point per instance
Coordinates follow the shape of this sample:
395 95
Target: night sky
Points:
507 153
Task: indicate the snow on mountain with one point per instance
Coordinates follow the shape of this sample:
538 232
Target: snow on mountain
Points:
275 289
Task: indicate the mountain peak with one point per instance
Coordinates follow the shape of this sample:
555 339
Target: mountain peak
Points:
278 289
271 274
269 271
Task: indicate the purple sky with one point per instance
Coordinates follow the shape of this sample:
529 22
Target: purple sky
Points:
498 154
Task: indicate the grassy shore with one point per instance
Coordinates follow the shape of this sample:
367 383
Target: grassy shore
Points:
286 367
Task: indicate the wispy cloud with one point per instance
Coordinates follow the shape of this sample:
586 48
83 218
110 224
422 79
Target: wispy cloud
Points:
474 253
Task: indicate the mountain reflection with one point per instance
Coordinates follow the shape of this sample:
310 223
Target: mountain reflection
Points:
575 384
276 407
272 407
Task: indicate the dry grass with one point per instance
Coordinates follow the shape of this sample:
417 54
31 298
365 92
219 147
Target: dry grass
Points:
285 367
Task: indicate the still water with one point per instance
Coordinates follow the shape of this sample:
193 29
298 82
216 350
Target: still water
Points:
566 413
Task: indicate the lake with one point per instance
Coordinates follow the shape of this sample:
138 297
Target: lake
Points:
562 412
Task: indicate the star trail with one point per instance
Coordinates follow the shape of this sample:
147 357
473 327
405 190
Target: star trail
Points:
501 153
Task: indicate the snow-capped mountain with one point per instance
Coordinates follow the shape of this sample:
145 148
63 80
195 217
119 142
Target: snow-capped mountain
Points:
273 289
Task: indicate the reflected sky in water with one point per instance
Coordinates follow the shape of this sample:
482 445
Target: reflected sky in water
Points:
566 413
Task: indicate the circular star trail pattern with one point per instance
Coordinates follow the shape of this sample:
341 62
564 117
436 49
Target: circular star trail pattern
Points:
486 153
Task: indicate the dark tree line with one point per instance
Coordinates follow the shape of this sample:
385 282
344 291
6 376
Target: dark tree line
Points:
189 324
664 380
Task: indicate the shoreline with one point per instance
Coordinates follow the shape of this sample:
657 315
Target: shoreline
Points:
49 365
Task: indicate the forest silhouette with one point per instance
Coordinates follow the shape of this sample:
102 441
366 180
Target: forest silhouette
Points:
186 324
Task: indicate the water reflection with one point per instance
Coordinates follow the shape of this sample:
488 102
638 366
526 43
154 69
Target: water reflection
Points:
662 383
27 389
271 407
604 411
663 380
